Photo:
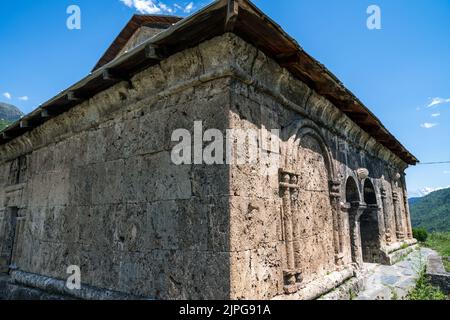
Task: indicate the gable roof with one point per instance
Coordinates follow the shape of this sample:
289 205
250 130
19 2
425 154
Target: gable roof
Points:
248 22
137 21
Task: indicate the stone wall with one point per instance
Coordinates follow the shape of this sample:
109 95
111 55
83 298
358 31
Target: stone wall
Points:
102 192
98 189
319 149
436 273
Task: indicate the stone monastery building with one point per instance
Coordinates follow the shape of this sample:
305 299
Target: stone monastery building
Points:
88 179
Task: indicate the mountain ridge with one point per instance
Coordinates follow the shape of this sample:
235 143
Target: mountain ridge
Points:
432 211
9 114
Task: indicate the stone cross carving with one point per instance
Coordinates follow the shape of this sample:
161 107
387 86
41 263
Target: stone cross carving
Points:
18 171
13 172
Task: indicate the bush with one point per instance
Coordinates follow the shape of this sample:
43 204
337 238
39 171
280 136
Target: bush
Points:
425 291
420 234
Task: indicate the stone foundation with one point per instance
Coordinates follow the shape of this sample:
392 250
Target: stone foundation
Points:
396 252
335 285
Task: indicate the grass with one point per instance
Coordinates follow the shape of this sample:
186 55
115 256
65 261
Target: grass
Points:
441 243
425 291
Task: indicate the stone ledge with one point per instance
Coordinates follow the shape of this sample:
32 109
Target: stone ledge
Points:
396 252
346 291
27 286
400 245
11 291
323 286
436 273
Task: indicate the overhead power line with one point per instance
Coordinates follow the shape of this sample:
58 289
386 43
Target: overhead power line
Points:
432 163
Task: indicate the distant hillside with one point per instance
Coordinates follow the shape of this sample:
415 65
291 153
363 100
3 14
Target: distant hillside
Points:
413 200
8 114
3 124
432 212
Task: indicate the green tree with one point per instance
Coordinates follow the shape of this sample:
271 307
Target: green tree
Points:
420 234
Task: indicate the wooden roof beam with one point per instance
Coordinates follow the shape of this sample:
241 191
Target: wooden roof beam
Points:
5 136
232 15
73 96
48 114
111 75
288 59
25 124
155 53
359 117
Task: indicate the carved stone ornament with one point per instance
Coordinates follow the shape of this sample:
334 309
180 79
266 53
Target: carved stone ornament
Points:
363 173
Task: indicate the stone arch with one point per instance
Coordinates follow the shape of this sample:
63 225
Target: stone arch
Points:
295 135
314 243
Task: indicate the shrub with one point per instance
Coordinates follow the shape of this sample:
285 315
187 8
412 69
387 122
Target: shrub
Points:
420 234
425 291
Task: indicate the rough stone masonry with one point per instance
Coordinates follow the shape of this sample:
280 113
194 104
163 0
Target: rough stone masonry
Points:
88 179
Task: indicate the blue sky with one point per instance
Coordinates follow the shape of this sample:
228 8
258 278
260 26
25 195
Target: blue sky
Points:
398 71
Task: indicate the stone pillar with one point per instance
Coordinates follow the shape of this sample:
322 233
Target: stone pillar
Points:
387 219
408 220
296 227
398 216
335 198
289 194
407 212
355 212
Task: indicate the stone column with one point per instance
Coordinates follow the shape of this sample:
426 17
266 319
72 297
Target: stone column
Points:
289 193
387 219
408 220
296 228
407 212
355 212
398 216
335 199
287 219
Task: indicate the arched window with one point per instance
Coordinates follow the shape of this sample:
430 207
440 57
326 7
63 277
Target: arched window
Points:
351 191
369 193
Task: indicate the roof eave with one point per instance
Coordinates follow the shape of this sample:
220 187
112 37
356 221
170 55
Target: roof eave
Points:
245 20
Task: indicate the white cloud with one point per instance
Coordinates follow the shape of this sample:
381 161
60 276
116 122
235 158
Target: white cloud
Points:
7 95
437 101
435 115
428 125
152 6
425 191
447 172
24 98
165 8
189 7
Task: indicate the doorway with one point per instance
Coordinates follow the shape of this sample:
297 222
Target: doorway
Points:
369 227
